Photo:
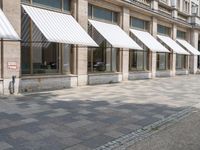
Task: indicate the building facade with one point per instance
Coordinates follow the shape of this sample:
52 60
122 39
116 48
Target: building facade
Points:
70 43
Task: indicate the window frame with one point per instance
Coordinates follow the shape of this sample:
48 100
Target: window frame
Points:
145 53
61 9
144 28
183 62
167 61
91 15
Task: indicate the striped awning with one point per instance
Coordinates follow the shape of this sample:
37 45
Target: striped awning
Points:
115 35
59 27
173 45
188 46
149 41
7 32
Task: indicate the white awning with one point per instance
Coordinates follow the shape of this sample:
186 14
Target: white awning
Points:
173 45
189 47
115 35
6 30
149 41
59 27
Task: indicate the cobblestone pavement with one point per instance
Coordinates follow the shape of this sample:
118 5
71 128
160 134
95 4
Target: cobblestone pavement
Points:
182 135
86 118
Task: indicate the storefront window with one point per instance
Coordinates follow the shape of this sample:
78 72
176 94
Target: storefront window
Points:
38 56
95 12
138 60
103 59
26 45
163 61
180 61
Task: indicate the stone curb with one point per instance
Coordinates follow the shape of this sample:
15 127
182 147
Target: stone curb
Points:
127 140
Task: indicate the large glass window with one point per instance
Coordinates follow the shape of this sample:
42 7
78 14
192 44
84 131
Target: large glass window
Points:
138 60
180 61
50 3
181 34
95 12
139 24
163 61
103 59
53 4
38 56
163 30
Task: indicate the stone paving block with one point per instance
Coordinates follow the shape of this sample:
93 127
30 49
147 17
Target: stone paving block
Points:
97 141
84 112
78 147
78 124
29 120
5 146
114 134
20 134
69 141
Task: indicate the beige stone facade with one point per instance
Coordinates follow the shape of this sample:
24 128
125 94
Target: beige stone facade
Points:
163 12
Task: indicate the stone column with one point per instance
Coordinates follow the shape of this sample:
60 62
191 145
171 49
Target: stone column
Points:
153 55
154 5
82 52
125 52
193 59
11 50
173 55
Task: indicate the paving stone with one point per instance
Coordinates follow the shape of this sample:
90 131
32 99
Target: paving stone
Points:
97 141
78 124
5 146
29 120
114 134
78 147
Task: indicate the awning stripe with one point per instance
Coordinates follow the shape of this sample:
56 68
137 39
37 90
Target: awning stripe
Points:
149 41
115 35
188 46
173 45
7 32
59 27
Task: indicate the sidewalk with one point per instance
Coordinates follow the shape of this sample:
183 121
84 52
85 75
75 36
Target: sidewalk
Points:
88 117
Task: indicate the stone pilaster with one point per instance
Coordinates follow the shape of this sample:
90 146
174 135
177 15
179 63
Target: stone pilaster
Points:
153 56
193 59
82 52
154 5
125 52
173 55
11 50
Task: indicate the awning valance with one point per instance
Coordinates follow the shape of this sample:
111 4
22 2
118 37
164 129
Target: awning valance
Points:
59 27
173 45
189 47
115 35
7 32
149 41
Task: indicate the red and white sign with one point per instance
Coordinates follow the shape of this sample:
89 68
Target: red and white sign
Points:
12 65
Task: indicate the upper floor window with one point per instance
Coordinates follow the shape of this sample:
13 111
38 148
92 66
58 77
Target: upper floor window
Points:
95 12
53 4
138 23
181 34
163 30
194 9
186 5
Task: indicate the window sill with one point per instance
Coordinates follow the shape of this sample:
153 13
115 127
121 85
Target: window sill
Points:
47 76
142 71
104 73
